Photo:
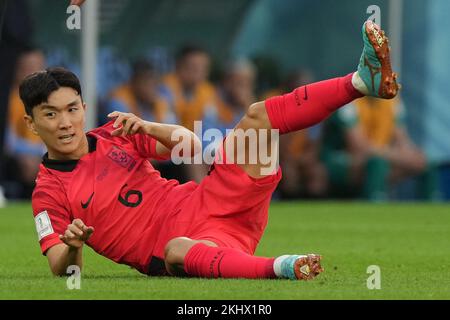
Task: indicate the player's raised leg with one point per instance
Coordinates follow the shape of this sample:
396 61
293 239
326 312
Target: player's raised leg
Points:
199 258
313 103
304 107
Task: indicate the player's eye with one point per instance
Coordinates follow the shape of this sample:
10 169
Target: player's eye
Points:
50 114
73 109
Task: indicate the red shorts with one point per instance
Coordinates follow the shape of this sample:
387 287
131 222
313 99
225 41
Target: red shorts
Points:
228 207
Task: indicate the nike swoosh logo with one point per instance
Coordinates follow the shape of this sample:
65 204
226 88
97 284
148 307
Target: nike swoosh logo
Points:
85 205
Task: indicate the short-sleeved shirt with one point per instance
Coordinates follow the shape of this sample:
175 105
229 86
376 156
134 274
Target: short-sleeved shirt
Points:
189 107
376 117
113 188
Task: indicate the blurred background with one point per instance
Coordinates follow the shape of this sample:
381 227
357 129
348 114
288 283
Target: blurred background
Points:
178 61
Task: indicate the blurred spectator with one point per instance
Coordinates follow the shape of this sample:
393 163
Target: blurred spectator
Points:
24 148
188 89
140 95
303 173
191 96
366 149
16 34
235 94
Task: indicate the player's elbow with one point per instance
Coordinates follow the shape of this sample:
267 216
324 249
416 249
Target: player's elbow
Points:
58 273
61 263
57 270
63 271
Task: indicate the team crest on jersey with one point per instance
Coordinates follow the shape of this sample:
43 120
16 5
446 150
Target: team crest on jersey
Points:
121 158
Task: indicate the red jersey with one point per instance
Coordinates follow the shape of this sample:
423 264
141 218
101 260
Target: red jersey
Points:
135 211
113 188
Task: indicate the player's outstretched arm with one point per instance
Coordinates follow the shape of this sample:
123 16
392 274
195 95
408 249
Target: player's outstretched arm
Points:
129 124
61 256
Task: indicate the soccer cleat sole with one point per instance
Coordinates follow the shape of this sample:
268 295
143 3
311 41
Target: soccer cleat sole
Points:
308 267
388 87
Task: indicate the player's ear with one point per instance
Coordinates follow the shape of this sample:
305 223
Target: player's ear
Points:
30 124
84 105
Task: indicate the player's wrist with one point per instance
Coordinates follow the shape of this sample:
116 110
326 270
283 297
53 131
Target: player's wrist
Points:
74 245
74 248
150 128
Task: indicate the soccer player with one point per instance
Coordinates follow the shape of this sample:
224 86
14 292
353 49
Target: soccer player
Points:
100 189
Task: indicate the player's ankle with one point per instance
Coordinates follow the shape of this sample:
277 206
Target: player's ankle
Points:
277 269
359 84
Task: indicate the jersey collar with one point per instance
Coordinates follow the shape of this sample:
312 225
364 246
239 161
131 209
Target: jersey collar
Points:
68 165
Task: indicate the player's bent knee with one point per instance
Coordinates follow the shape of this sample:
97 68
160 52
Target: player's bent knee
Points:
255 117
254 111
176 249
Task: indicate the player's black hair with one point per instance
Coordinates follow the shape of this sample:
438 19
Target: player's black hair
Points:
37 87
187 50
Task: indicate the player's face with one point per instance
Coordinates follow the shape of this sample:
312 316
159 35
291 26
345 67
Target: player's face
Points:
60 124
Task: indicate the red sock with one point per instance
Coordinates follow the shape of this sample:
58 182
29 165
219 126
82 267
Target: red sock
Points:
212 262
310 104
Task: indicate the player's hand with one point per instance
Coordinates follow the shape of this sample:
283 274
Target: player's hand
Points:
77 2
77 234
127 124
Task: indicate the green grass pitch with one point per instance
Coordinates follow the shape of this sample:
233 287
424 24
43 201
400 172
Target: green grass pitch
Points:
409 242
